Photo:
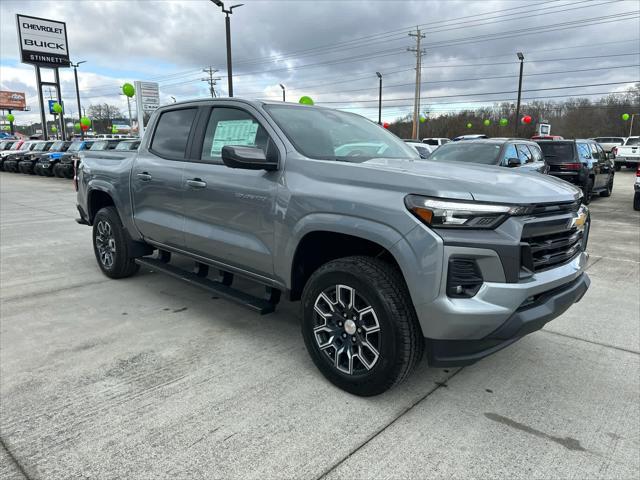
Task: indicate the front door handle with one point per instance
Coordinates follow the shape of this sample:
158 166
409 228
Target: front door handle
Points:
144 176
196 183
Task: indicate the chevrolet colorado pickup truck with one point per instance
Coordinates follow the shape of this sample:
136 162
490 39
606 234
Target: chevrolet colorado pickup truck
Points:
627 154
391 256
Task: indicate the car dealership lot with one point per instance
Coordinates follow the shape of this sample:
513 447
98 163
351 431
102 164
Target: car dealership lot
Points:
150 378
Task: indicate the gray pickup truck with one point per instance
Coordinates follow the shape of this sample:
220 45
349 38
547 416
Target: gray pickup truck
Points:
392 256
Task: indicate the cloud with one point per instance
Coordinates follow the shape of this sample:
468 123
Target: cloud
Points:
173 41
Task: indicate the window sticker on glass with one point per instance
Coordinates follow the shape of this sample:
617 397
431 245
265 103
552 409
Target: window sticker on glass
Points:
233 132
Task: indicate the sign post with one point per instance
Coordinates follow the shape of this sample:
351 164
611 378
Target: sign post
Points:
43 44
147 100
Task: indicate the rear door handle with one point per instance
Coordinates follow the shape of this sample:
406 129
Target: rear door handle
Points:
196 183
144 176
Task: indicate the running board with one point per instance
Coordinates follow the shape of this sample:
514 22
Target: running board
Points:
262 306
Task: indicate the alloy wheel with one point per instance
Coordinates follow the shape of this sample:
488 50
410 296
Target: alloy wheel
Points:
346 329
105 243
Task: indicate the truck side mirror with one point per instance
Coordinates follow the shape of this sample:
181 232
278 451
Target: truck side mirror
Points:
248 158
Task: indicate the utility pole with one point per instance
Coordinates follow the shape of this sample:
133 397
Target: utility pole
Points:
211 80
517 122
75 74
415 131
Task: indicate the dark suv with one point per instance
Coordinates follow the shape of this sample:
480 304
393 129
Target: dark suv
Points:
505 152
581 162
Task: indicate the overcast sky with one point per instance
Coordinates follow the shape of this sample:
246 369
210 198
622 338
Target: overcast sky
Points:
330 50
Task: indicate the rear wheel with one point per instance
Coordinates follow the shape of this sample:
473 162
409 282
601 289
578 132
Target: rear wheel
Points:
636 201
587 191
618 167
110 245
359 325
607 191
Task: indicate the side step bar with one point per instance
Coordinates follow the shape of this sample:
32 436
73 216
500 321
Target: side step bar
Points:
260 305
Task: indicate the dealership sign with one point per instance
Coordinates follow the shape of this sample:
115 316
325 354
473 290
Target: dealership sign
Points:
12 101
43 42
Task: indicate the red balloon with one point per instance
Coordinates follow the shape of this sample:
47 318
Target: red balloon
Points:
526 119
385 124
84 127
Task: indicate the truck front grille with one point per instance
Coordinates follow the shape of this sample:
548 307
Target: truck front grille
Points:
547 251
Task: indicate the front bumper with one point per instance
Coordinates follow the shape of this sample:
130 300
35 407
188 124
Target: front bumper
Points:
527 319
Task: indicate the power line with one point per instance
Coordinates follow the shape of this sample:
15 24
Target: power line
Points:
211 80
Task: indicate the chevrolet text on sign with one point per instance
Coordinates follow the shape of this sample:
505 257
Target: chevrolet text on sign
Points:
43 42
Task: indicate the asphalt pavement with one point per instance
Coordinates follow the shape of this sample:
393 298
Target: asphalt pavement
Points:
148 378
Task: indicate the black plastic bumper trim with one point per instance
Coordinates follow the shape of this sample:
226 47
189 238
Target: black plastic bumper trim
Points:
549 305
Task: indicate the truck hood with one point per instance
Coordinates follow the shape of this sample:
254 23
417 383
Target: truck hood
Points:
485 183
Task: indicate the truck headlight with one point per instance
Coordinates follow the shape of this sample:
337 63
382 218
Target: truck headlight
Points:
443 213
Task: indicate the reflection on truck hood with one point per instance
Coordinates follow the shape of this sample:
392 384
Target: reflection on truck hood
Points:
487 183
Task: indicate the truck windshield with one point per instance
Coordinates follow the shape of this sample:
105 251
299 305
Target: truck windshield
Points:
632 141
326 134
57 146
485 153
74 147
127 146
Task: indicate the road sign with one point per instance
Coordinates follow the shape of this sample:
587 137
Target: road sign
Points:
52 103
12 101
147 100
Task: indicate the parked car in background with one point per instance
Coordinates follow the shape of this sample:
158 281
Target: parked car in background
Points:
63 167
12 161
628 154
513 152
581 162
608 143
7 144
423 149
473 136
435 141
636 188
30 162
13 149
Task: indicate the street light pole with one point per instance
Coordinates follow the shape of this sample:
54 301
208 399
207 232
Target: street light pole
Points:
517 122
379 98
227 22
75 74
284 98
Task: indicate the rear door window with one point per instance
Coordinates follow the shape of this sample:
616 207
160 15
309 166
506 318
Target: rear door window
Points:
509 152
172 133
584 152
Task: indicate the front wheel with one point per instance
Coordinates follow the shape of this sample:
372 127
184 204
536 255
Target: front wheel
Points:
607 191
636 201
110 245
359 325
618 167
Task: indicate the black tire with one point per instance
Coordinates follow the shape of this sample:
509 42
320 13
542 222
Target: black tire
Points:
46 172
636 201
587 191
112 245
68 173
618 167
609 189
399 340
57 170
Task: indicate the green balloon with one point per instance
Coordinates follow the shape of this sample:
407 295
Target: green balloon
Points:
6 127
469 125
76 126
114 129
128 90
54 129
504 122
305 100
11 117
85 121
626 116
487 122
57 107
423 119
